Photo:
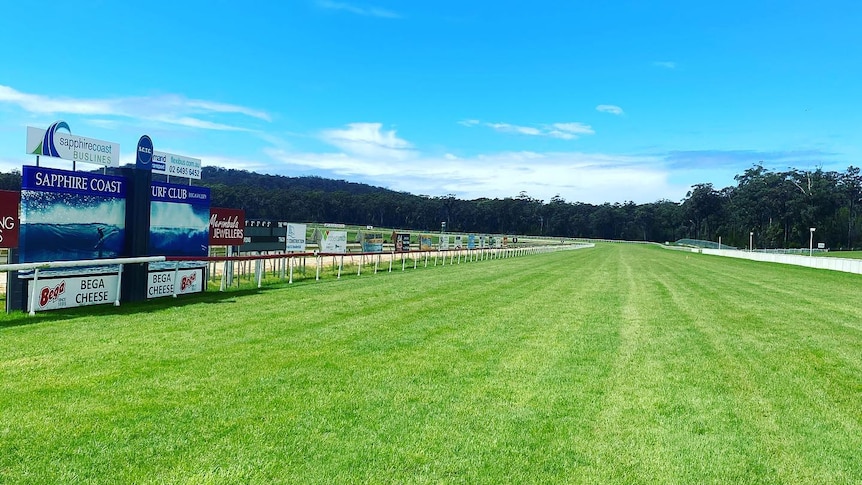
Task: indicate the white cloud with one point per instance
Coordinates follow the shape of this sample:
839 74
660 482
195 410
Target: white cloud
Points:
367 139
575 128
563 131
609 108
358 10
169 108
665 64
585 177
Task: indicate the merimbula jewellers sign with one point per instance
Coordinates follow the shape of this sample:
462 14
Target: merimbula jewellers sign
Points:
59 142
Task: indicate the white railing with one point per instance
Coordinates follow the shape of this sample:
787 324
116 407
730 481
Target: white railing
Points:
845 265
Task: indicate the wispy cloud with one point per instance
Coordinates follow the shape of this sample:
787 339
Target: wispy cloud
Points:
740 159
665 64
564 131
368 140
365 152
367 11
169 108
609 108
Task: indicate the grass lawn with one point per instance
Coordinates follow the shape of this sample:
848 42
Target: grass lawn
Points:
618 364
842 254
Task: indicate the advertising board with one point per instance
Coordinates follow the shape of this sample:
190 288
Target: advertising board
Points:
372 242
74 291
59 142
10 200
176 165
226 226
179 220
161 283
444 242
296 237
69 215
425 242
333 242
402 242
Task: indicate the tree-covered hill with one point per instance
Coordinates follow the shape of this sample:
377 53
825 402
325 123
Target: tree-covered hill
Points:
778 207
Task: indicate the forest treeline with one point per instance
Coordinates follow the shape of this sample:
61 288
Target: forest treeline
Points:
779 207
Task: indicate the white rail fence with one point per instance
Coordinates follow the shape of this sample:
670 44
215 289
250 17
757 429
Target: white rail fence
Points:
834 264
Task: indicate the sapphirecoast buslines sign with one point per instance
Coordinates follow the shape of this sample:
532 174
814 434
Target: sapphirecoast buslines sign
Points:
59 142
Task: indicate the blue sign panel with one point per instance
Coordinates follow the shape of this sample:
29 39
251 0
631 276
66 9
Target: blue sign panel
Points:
179 220
71 215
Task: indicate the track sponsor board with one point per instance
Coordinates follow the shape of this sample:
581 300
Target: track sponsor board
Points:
69 215
59 142
226 226
425 242
333 242
402 242
372 242
176 165
9 202
444 242
179 220
162 283
459 242
471 241
296 237
70 292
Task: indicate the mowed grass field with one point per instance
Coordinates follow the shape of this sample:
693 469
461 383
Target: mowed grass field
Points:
618 364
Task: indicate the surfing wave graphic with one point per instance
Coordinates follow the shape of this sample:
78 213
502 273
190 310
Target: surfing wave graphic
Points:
47 147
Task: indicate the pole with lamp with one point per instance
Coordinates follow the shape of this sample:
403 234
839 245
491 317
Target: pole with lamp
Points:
751 241
811 242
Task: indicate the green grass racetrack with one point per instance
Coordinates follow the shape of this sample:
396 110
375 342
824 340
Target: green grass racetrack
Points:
618 364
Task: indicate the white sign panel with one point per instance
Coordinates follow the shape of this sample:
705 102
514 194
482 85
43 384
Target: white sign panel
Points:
161 283
444 242
176 165
59 142
56 293
334 242
295 237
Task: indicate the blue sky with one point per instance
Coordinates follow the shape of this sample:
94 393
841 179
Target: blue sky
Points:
592 101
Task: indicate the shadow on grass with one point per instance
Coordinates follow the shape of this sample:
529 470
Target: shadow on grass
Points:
209 297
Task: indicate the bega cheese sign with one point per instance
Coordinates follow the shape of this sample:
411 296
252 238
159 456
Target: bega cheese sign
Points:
56 293
161 283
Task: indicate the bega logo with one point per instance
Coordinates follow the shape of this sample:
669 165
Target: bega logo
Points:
188 281
50 294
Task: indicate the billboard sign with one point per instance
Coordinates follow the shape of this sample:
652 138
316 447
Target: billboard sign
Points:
471 241
9 202
459 242
71 215
59 142
70 292
425 242
179 220
296 237
176 165
372 242
402 242
444 242
161 283
333 242
226 226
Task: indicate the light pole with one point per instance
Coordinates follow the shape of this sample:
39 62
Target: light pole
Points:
811 242
751 241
